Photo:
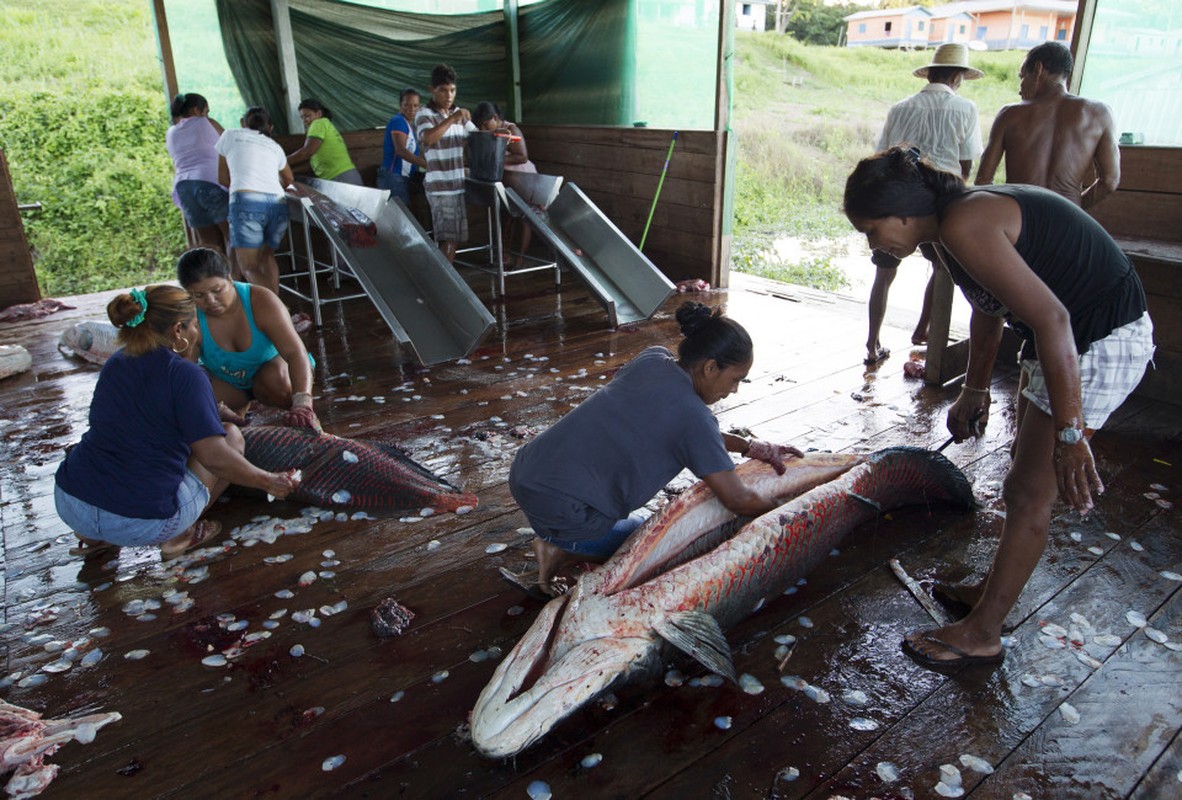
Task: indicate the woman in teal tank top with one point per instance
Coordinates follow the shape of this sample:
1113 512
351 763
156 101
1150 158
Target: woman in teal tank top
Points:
248 344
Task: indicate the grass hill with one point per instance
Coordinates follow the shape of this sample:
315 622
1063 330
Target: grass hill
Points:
805 115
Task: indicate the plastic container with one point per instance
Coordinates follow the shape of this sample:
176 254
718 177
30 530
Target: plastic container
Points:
486 155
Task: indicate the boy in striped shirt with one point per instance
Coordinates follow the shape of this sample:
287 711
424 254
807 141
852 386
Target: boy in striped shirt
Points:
442 129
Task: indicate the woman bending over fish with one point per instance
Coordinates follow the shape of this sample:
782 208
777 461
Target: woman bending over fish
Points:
1024 256
156 454
580 481
248 343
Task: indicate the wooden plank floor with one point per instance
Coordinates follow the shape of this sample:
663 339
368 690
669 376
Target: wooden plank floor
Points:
396 710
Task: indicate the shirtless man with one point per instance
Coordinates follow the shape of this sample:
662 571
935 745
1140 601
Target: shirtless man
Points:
1054 139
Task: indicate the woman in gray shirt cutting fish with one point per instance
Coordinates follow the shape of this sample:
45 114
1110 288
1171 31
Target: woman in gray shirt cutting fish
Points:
580 482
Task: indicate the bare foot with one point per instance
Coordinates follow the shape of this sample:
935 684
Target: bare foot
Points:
876 356
551 558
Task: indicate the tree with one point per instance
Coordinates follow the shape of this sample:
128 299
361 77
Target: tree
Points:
814 22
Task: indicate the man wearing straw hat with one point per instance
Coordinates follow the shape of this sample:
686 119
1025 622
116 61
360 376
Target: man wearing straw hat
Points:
945 129
1052 138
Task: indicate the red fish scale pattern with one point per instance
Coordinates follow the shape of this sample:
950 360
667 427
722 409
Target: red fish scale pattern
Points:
774 551
380 480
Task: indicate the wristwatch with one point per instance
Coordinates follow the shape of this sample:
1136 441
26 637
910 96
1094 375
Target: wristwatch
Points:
1070 435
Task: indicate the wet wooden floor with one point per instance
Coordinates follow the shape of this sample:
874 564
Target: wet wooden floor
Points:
396 710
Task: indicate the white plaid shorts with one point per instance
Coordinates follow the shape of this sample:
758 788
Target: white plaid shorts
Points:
1108 372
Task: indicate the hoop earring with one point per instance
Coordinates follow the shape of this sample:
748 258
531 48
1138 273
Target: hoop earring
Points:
184 348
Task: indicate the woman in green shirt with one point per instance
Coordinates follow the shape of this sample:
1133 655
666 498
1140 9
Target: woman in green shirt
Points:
324 149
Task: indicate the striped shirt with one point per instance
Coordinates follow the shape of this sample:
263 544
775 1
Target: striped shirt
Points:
445 158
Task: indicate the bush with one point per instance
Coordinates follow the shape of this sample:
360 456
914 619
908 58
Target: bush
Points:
95 159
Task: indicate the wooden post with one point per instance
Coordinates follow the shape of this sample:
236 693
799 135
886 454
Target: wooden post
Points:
164 49
1081 36
726 155
288 68
513 52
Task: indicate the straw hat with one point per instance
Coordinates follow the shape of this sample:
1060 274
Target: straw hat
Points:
951 55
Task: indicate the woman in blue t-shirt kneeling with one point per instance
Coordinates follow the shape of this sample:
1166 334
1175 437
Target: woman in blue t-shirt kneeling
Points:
156 454
580 481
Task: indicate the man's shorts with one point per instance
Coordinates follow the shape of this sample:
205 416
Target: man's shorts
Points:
449 216
257 219
204 204
92 522
1108 372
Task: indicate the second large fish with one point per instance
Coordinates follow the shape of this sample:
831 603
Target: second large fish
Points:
351 474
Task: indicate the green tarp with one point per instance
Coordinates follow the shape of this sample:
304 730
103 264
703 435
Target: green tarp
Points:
578 58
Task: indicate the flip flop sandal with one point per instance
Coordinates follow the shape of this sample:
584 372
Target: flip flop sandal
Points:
962 659
882 356
202 532
92 548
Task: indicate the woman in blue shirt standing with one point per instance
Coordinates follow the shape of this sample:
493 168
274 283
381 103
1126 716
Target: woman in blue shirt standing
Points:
156 454
401 160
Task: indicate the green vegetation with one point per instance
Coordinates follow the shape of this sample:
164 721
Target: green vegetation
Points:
805 115
82 122
814 22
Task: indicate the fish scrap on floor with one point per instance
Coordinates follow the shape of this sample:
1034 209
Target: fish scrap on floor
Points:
686 576
351 474
27 739
14 360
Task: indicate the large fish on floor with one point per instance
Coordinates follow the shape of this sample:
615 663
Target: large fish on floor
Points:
686 576
350 474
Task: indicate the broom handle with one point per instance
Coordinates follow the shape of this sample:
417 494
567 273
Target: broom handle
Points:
660 183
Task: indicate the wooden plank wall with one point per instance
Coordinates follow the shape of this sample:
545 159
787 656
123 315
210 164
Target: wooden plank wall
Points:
1147 212
18 280
619 168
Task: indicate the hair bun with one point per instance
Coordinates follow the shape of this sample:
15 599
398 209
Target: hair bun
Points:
692 317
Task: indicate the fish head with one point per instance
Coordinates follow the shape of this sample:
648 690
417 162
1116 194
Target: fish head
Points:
545 679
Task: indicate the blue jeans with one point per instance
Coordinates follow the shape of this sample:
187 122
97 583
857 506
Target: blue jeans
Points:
602 548
93 522
257 219
398 185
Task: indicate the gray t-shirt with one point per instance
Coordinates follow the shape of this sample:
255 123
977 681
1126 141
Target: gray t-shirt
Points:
619 448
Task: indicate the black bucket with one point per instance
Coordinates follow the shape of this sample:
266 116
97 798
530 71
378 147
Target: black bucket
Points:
486 155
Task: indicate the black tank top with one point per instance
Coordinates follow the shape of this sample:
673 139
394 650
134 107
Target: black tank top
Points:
1077 260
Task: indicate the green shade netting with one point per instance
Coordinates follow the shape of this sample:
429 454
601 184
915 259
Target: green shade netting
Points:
578 59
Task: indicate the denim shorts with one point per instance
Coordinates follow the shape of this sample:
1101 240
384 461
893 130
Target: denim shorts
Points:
204 204
93 522
600 549
257 219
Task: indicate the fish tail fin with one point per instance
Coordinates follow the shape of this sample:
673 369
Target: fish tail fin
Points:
926 472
